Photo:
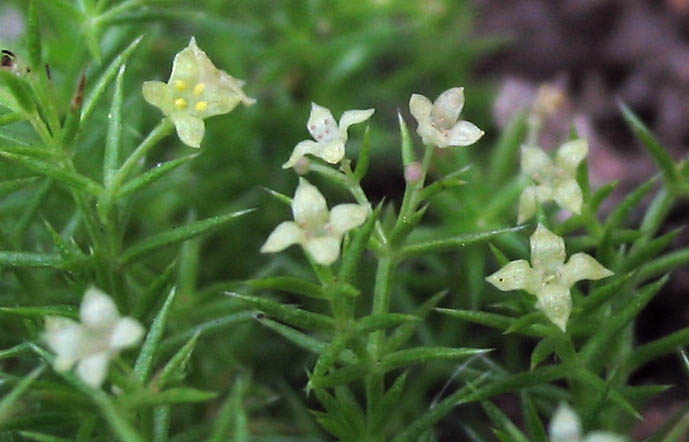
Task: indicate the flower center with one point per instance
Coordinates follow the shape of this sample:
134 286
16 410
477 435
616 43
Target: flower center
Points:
186 96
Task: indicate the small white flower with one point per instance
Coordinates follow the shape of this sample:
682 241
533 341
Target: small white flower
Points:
100 336
329 135
548 277
555 180
565 426
318 231
439 123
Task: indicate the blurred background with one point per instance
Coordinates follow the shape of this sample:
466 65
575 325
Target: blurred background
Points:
358 54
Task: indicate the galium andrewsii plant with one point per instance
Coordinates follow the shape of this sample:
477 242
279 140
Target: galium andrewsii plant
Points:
95 331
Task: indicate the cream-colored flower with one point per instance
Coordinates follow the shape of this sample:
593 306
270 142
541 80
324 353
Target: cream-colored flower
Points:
548 277
565 426
439 123
316 229
195 91
329 135
100 336
555 180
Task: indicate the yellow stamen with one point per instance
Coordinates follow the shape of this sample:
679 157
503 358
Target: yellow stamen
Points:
181 103
199 88
201 106
180 85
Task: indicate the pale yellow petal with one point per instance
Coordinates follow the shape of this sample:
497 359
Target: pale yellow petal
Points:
303 148
284 235
464 133
567 194
190 129
516 275
447 107
353 117
565 425
555 301
98 310
159 95
528 205
345 217
94 369
535 162
570 154
126 333
322 125
309 207
547 250
420 107
582 266
324 250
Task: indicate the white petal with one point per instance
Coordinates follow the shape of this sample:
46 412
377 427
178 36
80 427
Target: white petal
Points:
515 275
332 152
64 338
353 117
582 266
464 133
322 125
547 250
431 136
301 149
565 425
93 369
567 194
158 94
188 62
535 162
190 129
345 217
284 235
127 333
308 206
447 107
556 302
528 205
98 310
420 107
603 436
324 249
570 154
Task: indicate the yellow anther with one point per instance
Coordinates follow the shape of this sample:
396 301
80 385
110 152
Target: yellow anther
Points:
180 85
199 88
181 103
201 106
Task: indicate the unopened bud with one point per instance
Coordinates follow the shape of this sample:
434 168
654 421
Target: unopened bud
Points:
413 173
302 166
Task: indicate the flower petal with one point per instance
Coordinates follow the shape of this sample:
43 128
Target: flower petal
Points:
431 136
64 338
98 310
535 162
324 249
556 302
126 333
353 117
222 94
515 275
582 266
308 206
93 369
322 125
603 436
332 152
158 94
301 149
567 194
547 250
420 107
528 205
190 129
447 107
570 154
345 217
189 62
565 425
284 235
464 133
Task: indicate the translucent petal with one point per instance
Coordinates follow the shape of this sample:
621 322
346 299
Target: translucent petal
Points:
284 235
190 129
93 369
188 63
516 275
565 425
556 302
447 107
582 266
322 125
126 333
222 94
301 149
353 117
528 205
64 338
535 162
332 152
420 107
308 206
570 154
324 249
567 194
431 136
464 133
603 436
158 94
345 217
547 250
98 310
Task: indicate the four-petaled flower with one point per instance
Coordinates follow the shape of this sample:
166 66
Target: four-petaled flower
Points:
196 90
438 125
565 426
100 336
318 231
329 135
555 180
548 277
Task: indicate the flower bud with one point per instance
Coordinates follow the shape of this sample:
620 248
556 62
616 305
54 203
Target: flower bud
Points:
413 173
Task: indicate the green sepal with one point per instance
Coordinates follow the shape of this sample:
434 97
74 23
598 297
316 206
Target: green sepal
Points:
289 284
287 313
149 349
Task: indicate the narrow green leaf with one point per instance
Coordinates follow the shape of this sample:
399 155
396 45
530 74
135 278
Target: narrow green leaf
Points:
41 437
17 96
621 212
437 245
278 196
33 37
503 422
661 156
496 321
328 358
352 256
381 321
161 423
175 369
407 146
364 158
154 291
287 313
8 401
542 350
601 195
231 416
406 224
387 405
603 293
152 175
404 332
504 156
168 397
206 328
30 259
289 284
39 312
16 351
113 138
532 420
420 355
664 264
598 384
649 250
654 349
176 235
65 176
144 361
10 186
